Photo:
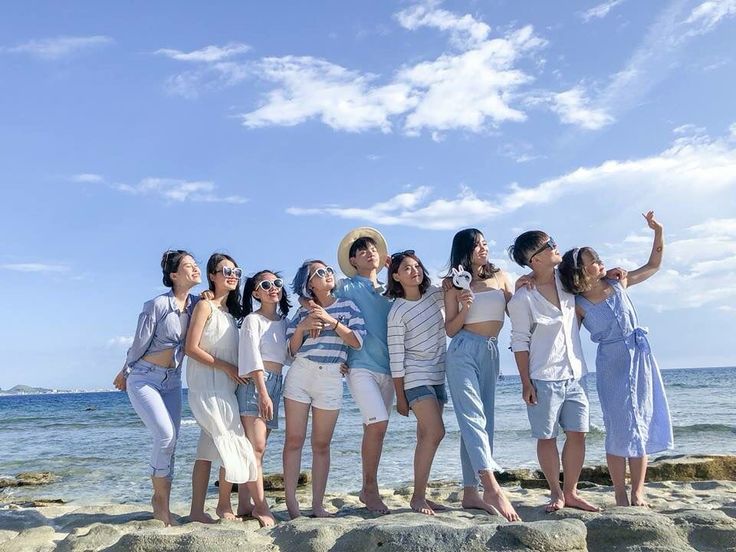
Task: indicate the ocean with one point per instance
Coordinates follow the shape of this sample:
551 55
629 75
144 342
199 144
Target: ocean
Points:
100 449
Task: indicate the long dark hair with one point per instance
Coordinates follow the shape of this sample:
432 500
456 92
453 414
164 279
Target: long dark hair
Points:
461 253
395 289
250 287
233 298
170 261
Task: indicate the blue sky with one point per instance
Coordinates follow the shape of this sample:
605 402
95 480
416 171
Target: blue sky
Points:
268 130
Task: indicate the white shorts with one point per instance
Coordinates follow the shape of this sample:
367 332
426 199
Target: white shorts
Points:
373 393
313 383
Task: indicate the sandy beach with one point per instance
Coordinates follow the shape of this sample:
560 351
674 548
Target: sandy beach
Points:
694 509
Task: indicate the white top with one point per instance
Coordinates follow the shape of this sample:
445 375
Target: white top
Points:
551 335
487 305
416 340
261 339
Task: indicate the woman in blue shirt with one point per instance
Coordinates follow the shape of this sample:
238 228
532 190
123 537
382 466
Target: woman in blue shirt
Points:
152 371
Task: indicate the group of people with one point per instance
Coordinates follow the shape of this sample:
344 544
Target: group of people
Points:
389 340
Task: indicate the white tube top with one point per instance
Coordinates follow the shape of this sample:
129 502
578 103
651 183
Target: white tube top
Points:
487 306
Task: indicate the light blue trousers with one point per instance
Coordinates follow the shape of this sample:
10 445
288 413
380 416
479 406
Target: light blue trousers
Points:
472 370
155 394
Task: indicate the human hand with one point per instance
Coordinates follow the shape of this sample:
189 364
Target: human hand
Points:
466 298
447 284
232 373
652 222
529 394
207 295
120 382
402 405
617 273
344 369
265 405
527 280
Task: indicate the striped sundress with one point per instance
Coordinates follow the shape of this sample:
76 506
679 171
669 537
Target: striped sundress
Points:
635 411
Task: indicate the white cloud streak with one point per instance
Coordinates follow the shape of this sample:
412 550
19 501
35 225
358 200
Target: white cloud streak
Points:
208 54
35 267
600 11
573 108
707 15
120 341
87 178
52 49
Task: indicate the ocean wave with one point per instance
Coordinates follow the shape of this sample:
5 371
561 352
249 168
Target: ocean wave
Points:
703 428
188 422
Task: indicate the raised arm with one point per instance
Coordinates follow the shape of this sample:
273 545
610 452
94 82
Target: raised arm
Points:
655 257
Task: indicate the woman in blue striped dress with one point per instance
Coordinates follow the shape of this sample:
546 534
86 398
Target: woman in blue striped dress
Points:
318 339
630 388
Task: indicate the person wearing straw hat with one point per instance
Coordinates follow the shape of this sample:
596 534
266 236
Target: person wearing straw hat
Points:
361 254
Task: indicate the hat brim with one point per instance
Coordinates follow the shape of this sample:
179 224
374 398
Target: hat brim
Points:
343 250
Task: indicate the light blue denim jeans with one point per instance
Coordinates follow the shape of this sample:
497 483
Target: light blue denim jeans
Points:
472 370
155 394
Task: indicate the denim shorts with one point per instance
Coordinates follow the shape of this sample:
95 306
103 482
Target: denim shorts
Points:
426 392
248 397
560 404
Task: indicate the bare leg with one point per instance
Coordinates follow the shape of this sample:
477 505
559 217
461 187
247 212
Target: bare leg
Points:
617 469
224 504
297 415
323 426
200 482
549 460
638 468
494 496
430 432
257 433
573 456
160 500
371 450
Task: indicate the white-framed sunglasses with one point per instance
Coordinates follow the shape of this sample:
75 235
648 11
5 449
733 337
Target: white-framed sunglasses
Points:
323 272
228 271
265 285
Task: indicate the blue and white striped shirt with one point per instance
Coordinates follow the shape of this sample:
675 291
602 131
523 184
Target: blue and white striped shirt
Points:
328 347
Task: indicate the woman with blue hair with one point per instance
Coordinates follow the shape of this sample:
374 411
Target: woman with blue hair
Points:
318 338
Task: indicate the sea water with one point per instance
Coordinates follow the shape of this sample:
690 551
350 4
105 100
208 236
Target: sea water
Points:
100 449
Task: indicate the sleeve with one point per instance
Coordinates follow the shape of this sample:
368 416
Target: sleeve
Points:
356 323
437 295
143 334
396 346
521 322
249 347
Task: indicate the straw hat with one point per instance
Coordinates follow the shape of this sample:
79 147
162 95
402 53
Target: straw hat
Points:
343 250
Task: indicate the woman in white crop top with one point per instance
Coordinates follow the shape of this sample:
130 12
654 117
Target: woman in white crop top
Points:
473 319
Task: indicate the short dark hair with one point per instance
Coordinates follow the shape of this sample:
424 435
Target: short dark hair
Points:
360 244
461 253
170 261
525 245
394 289
572 273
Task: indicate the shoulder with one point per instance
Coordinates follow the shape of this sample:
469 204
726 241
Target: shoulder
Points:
251 321
520 298
203 307
397 308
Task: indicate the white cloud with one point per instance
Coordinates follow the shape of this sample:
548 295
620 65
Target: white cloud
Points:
120 341
707 15
573 108
208 54
87 178
35 267
177 190
60 47
600 11
465 31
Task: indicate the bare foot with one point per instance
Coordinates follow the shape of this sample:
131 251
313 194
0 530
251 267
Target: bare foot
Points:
639 500
436 506
556 502
264 516
499 501
421 505
621 498
475 502
293 507
226 515
373 502
245 510
320 512
161 510
201 518
575 501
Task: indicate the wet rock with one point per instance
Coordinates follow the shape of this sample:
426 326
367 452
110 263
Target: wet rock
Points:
275 481
27 479
692 468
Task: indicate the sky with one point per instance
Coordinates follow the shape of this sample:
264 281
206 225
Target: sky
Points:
269 129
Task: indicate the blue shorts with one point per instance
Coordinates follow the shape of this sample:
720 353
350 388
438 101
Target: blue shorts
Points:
422 392
560 404
248 397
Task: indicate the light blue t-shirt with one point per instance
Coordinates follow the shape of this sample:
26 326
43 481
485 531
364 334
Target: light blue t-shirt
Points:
374 307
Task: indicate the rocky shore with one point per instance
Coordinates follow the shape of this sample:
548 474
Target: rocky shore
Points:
692 499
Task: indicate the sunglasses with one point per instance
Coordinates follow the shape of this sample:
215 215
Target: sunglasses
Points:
402 254
227 272
265 285
323 272
551 245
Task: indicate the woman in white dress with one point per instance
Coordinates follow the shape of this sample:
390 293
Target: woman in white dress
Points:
212 377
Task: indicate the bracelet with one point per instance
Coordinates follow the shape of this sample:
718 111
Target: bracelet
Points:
337 323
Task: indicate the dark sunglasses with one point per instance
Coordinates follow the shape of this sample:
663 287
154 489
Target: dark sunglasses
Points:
227 272
265 285
551 244
323 272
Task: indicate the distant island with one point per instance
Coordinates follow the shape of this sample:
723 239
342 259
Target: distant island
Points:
28 390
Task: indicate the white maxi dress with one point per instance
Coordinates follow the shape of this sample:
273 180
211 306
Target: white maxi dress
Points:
214 405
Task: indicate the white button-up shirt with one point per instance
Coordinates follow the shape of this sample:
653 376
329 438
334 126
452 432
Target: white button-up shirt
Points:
551 335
